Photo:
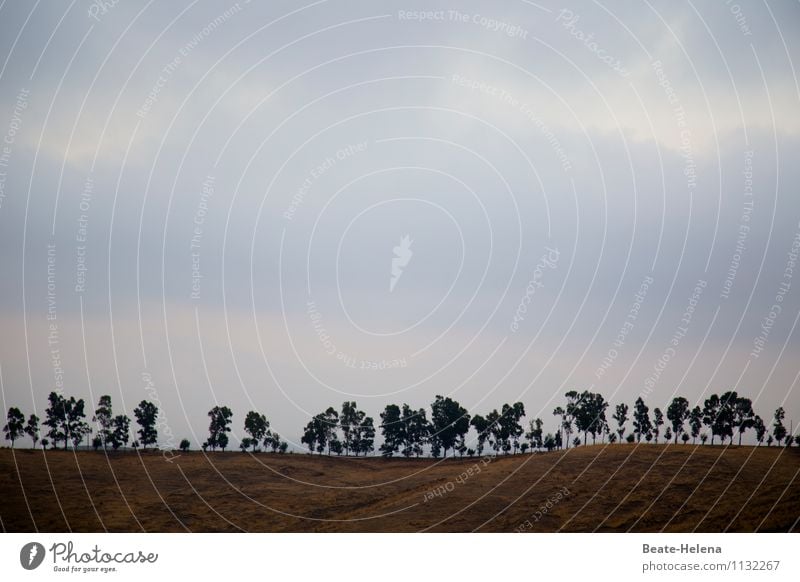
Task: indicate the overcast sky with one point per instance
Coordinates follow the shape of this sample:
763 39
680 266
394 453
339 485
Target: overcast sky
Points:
201 203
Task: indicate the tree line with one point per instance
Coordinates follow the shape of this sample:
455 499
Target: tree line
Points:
66 423
411 432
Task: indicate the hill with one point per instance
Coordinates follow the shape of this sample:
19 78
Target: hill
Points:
645 488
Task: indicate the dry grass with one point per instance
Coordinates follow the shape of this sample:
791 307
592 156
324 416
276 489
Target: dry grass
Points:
611 488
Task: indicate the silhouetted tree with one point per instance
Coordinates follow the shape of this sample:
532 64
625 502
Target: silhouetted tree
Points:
256 425
621 416
55 420
365 436
641 420
104 419
32 428
420 431
146 415
330 427
120 434
727 415
573 401
482 429
64 418
761 430
710 413
743 416
349 420
549 442
495 431
309 437
219 427
450 422
778 429
685 438
713 416
321 432
185 444
15 428
356 430
314 434
596 407
677 414
415 430
718 415
583 413
77 427
393 430
562 419
45 442
512 429
273 441
534 436
658 422
696 423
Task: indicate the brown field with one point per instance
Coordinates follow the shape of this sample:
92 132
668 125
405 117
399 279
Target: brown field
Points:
674 488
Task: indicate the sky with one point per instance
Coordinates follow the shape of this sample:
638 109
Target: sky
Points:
281 206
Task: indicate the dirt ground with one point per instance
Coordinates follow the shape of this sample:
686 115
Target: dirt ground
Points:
677 488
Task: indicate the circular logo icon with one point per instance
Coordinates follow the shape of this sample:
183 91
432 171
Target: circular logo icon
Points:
31 555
